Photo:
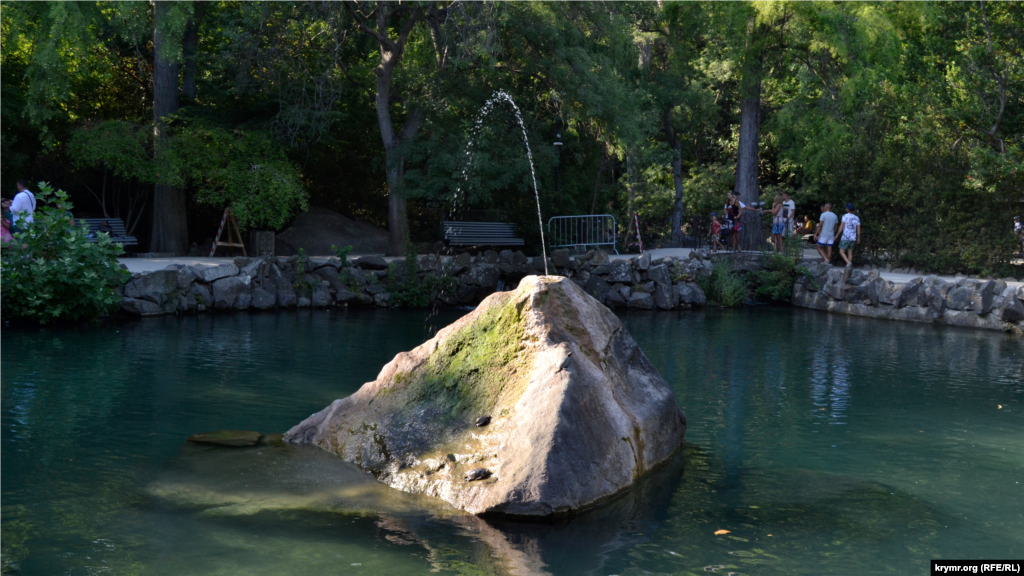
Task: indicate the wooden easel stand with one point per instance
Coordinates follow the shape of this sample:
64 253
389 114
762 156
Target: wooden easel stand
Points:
228 217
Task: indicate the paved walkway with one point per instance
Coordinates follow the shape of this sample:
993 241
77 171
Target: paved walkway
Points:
810 254
144 265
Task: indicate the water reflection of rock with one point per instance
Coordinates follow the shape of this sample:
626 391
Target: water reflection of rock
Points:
293 482
584 542
587 541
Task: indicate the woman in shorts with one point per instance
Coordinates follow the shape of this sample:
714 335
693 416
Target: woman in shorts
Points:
779 222
733 209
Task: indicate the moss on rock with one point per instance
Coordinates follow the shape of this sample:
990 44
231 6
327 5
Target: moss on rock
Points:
473 368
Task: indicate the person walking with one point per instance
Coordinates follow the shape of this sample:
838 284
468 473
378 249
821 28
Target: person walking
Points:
849 234
789 206
22 207
779 222
826 233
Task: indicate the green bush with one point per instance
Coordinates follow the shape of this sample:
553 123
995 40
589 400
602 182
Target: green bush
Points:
303 286
724 287
775 281
408 290
342 254
52 272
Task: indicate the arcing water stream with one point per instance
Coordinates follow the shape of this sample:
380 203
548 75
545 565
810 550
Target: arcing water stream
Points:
501 96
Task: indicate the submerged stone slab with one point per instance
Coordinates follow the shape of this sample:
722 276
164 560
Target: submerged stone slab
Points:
234 438
577 412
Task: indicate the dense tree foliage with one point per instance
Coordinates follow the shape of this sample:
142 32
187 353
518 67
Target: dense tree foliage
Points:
163 114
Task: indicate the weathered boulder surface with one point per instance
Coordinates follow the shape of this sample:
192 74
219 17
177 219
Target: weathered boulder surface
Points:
578 413
153 287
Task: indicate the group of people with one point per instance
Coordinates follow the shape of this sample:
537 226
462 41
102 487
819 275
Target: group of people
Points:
17 212
848 233
726 231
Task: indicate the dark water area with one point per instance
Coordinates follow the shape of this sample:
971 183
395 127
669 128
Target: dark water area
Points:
822 444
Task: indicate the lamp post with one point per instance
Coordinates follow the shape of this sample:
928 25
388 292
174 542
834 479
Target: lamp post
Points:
558 161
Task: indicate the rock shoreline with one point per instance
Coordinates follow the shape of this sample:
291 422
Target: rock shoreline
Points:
279 282
964 302
640 283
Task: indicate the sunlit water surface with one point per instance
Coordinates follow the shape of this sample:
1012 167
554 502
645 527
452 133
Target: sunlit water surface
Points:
822 444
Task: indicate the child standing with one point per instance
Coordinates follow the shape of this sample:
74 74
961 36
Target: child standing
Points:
716 231
849 234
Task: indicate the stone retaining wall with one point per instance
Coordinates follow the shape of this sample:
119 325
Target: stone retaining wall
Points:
275 282
636 283
967 302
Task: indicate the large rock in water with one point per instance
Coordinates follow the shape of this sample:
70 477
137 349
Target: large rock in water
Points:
577 411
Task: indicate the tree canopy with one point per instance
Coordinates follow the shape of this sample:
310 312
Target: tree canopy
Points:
912 111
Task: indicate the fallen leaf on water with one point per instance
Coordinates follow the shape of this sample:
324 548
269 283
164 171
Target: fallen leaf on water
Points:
720 532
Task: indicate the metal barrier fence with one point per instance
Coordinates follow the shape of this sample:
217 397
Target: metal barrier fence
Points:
697 232
582 231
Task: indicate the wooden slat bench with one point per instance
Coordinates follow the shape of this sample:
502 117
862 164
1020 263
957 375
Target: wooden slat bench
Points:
462 234
118 234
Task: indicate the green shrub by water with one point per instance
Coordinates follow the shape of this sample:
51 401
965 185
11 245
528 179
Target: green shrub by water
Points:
724 286
408 290
775 281
52 272
342 254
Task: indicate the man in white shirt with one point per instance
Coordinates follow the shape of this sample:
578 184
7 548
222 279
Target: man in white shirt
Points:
825 236
849 232
23 205
790 207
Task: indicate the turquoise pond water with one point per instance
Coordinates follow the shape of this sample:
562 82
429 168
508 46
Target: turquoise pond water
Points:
823 444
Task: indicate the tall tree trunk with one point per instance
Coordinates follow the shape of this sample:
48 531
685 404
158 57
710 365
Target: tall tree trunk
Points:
391 51
677 176
747 188
394 156
170 227
189 45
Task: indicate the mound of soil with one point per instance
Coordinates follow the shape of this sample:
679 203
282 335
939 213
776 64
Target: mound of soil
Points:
319 228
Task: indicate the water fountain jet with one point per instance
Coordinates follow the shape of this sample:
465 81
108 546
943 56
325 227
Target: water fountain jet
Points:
502 96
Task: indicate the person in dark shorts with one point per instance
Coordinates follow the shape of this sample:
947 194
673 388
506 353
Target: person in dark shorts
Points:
849 234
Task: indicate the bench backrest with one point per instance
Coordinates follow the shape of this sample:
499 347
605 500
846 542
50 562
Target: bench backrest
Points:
480 234
117 230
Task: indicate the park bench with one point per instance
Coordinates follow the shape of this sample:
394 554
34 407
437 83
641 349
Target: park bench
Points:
118 234
465 234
